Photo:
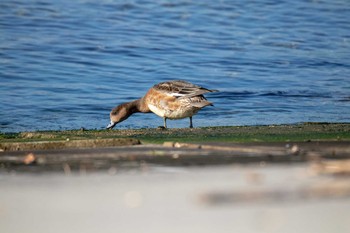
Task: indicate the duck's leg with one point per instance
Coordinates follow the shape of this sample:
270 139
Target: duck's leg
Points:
191 125
164 122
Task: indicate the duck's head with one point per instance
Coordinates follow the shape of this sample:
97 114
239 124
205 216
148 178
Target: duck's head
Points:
118 114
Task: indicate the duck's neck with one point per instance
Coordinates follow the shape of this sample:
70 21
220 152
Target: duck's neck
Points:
137 106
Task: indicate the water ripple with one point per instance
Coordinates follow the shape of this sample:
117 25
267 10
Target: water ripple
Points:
65 64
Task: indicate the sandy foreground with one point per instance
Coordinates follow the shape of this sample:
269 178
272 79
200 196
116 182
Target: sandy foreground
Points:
297 180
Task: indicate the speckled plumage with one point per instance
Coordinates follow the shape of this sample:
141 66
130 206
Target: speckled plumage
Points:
169 100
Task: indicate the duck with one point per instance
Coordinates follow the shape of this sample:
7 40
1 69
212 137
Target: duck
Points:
176 99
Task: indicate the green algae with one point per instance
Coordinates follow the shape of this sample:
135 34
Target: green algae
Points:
267 133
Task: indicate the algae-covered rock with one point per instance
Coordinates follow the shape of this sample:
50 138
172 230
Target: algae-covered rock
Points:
46 145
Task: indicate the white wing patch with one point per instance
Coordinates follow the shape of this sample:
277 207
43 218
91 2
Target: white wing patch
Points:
177 94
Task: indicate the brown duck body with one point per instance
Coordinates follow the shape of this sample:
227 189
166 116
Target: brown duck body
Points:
169 100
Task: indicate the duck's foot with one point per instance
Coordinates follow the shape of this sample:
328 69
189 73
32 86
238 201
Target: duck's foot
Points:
161 127
191 124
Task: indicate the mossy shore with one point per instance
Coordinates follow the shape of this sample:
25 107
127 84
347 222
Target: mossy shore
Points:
268 133
103 149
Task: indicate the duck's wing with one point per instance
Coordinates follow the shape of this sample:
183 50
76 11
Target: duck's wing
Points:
199 101
181 89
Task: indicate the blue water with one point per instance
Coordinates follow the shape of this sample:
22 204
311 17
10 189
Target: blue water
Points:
65 64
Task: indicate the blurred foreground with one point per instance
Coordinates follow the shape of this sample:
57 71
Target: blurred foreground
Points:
287 178
256 187
232 198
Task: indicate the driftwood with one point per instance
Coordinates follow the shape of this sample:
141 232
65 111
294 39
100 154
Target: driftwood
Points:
175 154
318 190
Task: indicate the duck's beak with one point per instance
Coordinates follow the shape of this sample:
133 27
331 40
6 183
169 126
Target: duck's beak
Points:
111 125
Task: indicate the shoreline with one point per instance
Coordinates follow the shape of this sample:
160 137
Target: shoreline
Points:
95 150
238 134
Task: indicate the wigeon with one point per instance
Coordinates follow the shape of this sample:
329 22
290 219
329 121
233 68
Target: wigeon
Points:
169 100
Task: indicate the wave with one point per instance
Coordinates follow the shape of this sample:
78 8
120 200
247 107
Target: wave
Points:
286 94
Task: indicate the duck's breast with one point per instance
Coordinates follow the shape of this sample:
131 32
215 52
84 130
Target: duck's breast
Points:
159 102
